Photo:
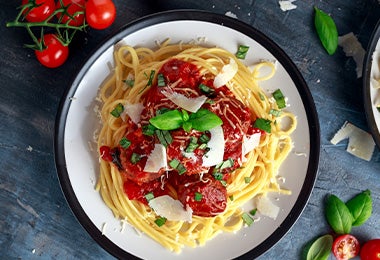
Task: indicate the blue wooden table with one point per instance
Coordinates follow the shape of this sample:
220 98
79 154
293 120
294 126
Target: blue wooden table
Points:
35 220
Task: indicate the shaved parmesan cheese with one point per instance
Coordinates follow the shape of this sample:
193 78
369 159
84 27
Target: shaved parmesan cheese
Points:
353 48
360 142
133 111
216 145
157 159
287 5
375 83
266 207
171 209
250 143
231 14
226 74
189 104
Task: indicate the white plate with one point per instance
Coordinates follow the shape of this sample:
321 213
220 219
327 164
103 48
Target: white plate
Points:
371 93
77 165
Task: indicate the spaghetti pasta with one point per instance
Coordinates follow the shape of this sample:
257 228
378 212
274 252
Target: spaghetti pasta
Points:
133 77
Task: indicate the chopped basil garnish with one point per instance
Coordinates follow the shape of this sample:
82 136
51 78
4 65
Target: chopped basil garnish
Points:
247 179
192 145
204 139
129 82
148 130
209 92
242 52
231 197
116 112
124 142
177 165
263 124
151 77
160 221
164 137
225 164
160 80
280 99
275 112
248 220
135 158
253 212
149 196
262 97
218 176
198 196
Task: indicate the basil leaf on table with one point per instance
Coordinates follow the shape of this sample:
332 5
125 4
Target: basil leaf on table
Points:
338 215
360 207
319 249
326 30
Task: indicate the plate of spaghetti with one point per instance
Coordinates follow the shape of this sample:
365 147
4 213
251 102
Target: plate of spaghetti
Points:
187 135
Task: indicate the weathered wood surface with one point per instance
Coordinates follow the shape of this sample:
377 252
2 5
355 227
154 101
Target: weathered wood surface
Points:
35 220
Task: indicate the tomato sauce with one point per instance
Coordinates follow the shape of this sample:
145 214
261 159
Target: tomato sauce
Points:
184 78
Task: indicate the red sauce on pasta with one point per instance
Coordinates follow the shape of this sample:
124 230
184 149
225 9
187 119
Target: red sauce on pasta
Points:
184 78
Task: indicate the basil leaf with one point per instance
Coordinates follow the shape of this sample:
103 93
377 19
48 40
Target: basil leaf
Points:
338 215
204 120
320 249
326 30
167 121
360 207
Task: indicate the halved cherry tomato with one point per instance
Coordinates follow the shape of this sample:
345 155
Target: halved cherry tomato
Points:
40 13
55 53
75 6
100 13
371 250
346 247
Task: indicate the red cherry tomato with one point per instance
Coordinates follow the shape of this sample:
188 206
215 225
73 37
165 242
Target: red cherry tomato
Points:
346 247
371 250
105 153
40 13
75 6
55 53
100 13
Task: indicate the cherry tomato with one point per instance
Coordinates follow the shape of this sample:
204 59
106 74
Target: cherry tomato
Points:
346 247
75 6
371 250
55 53
105 153
40 13
100 13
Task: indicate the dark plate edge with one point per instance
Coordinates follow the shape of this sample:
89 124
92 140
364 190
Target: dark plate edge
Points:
375 37
281 56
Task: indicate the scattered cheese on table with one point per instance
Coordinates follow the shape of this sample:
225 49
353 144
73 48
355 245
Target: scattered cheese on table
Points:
287 5
352 47
360 142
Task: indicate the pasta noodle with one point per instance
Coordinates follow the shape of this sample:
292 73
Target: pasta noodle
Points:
262 163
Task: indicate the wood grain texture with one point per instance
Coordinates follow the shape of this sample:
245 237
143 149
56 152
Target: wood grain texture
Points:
35 220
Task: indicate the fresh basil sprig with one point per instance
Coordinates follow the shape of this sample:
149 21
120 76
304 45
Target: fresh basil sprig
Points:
338 215
360 207
319 249
326 30
202 120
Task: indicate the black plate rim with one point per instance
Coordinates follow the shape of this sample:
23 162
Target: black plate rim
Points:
197 15
375 131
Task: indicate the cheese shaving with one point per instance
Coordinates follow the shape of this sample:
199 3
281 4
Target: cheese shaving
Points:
249 143
133 111
171 209
287 5
157 159
353 48
226 74
216 145
360 142
189 104
266 207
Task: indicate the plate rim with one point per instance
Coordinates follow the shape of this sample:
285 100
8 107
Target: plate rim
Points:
375 37
204 16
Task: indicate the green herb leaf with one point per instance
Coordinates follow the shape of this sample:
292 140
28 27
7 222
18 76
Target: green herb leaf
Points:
129 82
253 212
177 165
198 196
231 197
135 158
275 112
360 207
160 221
192 145
242 52
160 80
116 112
204 139
209 92
320 249
148 130
247 180
167 121
338 215
151 77
204 120
149 196
280 99
326 30
218 176
124 142
263 124
164 137
248 220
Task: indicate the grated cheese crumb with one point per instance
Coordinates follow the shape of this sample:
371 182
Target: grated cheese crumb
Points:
104 228
231 14
29 148
287 5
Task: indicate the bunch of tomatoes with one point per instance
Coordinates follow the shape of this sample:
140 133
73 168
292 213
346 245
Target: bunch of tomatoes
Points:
56 23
